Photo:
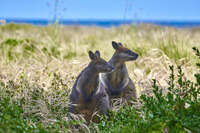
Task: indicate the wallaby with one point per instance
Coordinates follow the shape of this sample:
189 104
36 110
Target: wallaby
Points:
118 82
87 95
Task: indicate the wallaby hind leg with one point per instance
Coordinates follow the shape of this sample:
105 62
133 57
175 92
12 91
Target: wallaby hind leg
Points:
130 91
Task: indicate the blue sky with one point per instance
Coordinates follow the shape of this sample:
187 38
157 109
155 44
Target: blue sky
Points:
102 9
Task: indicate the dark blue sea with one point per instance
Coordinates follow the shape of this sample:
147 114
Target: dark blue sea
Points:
106 23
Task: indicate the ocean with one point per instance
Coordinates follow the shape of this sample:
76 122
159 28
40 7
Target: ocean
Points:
107 23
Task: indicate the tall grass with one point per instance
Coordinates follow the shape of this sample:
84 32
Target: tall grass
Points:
38 66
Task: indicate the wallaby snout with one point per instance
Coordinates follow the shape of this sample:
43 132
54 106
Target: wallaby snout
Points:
109 68
133 56
104 67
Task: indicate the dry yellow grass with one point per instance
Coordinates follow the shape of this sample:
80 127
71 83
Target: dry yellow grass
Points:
40 64
63 50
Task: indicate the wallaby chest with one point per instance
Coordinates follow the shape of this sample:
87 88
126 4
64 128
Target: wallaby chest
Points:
117 77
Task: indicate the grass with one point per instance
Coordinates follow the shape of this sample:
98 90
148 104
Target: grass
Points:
40 64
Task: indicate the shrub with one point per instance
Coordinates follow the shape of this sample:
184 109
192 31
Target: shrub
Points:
178 110
11 120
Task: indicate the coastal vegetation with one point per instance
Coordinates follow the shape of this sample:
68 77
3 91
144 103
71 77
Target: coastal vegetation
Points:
38 66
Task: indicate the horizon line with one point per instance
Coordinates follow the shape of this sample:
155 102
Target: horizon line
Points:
102 19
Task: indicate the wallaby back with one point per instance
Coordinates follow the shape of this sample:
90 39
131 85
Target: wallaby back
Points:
118 82
87 96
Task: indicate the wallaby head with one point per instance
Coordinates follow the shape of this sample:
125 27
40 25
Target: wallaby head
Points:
98 63
123 54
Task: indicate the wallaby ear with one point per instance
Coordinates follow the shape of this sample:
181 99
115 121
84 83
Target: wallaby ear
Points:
115 45
97 53
92 55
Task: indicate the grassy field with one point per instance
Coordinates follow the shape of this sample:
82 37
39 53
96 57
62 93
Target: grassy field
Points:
38 66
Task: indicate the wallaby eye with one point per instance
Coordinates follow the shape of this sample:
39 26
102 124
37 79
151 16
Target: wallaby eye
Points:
127 52
100 61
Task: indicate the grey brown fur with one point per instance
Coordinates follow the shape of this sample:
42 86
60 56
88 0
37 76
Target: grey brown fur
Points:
118 82
87 95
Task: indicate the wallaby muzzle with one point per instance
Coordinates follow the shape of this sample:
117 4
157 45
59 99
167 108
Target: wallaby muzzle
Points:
134 56
110 68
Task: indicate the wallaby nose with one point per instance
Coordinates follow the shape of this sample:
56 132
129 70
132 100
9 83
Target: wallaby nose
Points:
137 56
111 68
134 56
